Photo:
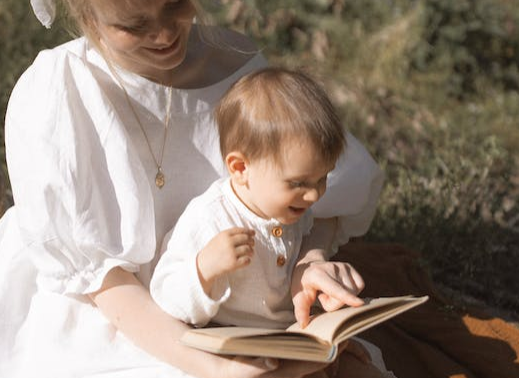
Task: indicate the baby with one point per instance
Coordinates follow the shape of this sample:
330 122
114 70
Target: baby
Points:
230 257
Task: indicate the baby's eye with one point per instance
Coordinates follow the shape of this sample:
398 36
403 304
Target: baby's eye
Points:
296 184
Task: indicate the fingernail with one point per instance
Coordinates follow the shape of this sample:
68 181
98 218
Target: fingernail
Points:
271 363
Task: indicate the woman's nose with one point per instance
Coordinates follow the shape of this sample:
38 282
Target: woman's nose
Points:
162 34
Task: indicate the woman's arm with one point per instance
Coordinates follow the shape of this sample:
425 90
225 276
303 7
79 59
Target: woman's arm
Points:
128 305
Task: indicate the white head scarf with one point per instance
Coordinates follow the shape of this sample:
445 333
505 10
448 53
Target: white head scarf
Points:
45 11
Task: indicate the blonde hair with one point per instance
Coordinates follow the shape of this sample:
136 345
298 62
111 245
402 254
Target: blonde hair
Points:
81 17
80 13
275 105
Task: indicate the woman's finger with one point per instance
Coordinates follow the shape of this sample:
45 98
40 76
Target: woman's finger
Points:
251 367
356 349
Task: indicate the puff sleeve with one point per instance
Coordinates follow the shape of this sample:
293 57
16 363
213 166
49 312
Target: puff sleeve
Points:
81 196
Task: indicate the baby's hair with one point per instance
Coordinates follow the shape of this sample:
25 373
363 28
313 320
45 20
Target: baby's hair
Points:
275 105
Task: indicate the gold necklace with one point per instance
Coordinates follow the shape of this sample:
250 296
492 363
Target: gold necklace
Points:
160 179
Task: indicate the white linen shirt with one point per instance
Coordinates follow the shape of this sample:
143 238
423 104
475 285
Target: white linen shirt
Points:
257 295
85 202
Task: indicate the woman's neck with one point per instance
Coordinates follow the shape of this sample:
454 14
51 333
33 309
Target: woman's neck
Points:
205 64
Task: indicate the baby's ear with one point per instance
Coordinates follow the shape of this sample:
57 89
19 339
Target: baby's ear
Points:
237 165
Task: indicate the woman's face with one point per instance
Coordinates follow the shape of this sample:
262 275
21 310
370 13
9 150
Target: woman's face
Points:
148 37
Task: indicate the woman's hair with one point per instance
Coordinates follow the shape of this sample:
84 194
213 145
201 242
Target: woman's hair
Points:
272 106
81 15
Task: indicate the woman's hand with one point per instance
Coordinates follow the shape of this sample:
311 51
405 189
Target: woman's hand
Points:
248 367
353 361
128 306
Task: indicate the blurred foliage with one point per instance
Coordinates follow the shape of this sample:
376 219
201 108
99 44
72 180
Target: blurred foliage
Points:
431 87
474 39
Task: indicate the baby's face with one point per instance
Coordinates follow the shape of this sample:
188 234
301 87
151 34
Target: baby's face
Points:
284 190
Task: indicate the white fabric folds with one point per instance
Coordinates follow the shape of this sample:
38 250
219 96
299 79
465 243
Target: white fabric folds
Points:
86 202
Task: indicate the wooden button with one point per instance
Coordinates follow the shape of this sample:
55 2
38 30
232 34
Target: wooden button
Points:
277 232
281 260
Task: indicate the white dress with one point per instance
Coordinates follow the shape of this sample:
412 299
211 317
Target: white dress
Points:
257 295
85 201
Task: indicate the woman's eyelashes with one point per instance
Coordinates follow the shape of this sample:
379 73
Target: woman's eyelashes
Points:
133 29
143 25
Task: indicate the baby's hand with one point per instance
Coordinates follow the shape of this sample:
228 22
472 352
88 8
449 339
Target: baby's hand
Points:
228 251
333 283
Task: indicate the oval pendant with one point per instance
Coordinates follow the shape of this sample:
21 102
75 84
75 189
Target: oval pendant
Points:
160 179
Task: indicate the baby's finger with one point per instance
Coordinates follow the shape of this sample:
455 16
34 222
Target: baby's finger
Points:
303 301
329 303
244 250
243 261
241 230
336 290
243 238
352 280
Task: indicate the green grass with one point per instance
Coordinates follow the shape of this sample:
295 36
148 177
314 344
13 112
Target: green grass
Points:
437 109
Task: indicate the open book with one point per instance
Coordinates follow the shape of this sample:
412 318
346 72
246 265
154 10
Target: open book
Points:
319 341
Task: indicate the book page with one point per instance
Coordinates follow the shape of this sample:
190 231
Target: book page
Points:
326 325
259 342
224 333
317 342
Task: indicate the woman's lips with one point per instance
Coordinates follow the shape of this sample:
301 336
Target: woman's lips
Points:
165 50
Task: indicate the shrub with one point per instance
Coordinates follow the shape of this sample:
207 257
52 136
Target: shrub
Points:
474 39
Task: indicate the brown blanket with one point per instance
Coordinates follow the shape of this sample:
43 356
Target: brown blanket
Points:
435 340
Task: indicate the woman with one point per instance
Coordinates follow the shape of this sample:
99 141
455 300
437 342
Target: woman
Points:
107 139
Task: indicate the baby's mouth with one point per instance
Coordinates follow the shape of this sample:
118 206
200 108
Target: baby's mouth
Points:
297 210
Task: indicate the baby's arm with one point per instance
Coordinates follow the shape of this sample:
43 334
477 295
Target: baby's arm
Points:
186 291
228 251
